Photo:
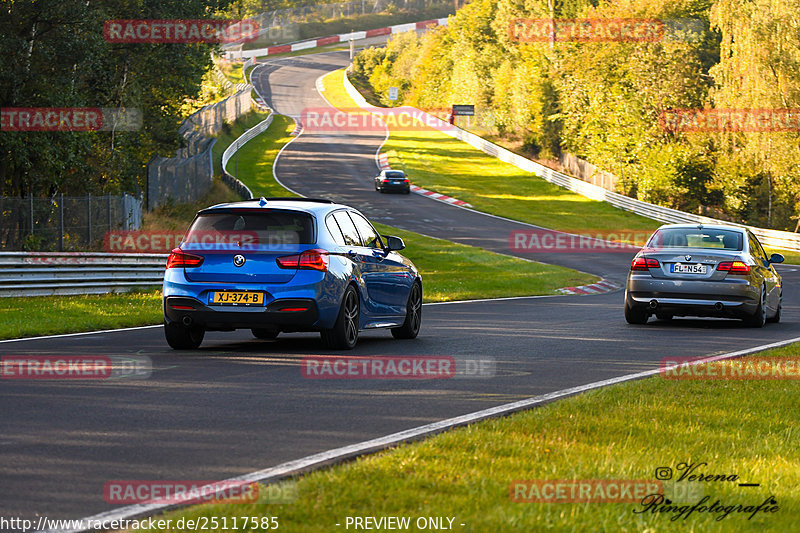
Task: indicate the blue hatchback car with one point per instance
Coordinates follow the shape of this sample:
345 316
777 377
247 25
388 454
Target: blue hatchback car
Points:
288 264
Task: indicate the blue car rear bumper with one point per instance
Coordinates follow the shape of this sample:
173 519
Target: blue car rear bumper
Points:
187 302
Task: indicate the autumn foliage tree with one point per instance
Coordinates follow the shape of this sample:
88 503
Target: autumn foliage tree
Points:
603 101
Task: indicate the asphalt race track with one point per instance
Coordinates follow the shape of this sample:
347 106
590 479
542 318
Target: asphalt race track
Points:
240 404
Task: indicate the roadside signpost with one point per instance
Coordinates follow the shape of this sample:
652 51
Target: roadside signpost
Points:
463 110
394 92
460 110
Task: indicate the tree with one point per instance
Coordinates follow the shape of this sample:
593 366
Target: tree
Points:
54 55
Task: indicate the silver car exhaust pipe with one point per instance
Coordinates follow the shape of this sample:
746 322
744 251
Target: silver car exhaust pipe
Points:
653 304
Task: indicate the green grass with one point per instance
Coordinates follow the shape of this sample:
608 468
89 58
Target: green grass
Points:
453 271
248 71
450 272
232 71
47 315
258 155
745 428
231 132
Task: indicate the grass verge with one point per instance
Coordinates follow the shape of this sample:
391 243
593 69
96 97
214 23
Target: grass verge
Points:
452 271
624 432
232 71
49 315
231 132
258 155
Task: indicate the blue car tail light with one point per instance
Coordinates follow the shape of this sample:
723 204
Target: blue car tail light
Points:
179 258
314 259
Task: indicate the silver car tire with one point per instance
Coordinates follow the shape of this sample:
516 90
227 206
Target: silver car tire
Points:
759 318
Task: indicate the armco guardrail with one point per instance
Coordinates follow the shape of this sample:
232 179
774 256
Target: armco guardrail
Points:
333 39
771 238
231 180
44 273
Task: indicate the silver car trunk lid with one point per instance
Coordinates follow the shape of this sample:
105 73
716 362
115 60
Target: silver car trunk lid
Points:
690 263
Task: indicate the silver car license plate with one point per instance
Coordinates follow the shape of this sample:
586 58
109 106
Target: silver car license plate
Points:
691 268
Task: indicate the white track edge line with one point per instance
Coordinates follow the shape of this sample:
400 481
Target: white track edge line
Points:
79 333
59 335
336 455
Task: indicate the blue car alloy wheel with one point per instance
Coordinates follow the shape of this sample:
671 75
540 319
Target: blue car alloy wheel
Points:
278 265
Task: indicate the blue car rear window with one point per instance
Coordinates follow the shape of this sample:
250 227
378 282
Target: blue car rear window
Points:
261 228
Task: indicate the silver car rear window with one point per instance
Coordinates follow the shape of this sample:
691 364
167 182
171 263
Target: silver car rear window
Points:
718 239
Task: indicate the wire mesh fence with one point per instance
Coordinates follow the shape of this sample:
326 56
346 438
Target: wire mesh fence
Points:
188 176
180 179
211 118
65 223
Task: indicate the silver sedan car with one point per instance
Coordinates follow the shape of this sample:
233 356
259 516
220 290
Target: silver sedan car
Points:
718 271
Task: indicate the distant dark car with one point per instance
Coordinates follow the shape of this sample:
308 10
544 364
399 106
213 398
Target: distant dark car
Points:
392 180
718 271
